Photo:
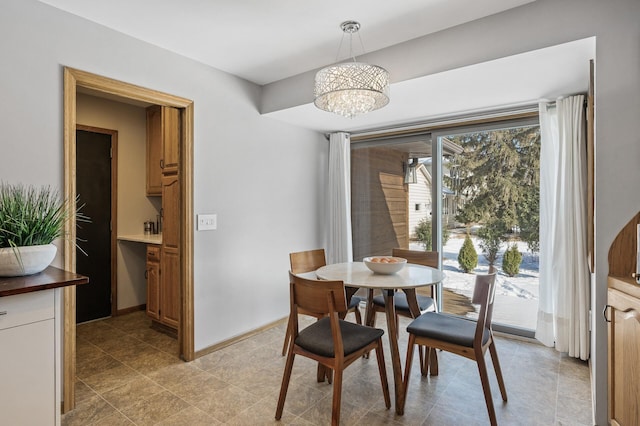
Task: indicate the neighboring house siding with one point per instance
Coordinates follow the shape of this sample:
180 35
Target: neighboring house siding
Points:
419 199
378 201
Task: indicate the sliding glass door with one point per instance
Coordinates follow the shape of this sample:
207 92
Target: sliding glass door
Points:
489 218
434 191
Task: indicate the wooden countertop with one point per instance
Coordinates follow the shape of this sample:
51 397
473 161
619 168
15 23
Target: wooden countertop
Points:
51 277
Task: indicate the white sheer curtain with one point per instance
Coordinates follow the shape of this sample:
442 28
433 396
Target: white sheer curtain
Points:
563 313
339 242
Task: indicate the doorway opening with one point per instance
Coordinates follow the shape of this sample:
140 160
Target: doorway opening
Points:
77 79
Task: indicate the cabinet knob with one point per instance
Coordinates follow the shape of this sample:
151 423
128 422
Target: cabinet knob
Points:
3 313
604 313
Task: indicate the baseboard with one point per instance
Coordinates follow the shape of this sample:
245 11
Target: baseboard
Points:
163 328
131 309
236 339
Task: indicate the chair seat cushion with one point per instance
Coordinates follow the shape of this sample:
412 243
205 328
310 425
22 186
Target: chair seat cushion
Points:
355 301
448 328
317 337
401 304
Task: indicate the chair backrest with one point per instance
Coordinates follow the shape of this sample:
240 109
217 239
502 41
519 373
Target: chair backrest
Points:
425 258
307 261
484 295
317 296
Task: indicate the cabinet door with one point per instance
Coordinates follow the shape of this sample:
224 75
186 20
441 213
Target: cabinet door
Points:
153 282
170 258
170 139
171 211
27 370
624 359
154 150
170 288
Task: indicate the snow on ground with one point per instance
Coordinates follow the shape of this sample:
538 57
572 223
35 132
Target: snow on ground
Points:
516 300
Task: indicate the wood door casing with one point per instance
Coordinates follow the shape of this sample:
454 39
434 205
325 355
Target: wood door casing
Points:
75 80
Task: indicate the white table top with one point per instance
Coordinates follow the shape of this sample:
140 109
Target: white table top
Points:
356 274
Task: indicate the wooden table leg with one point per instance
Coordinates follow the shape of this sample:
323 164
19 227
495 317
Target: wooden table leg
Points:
392 329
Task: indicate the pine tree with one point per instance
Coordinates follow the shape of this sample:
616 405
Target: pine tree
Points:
498 177
468 257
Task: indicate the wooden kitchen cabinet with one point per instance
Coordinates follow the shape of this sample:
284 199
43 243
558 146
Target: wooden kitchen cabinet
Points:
163 145
153 281
624 351
170 288
168 293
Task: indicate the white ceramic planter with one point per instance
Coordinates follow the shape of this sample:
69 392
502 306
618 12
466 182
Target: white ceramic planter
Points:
20 261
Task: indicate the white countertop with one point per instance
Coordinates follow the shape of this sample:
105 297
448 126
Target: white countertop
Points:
142 238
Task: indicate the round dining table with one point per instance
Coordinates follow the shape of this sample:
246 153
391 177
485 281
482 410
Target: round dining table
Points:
410 277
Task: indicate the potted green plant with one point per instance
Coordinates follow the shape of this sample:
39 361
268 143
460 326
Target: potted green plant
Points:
31 218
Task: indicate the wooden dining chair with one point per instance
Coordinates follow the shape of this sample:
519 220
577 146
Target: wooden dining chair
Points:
309 261
330 341
376 304
462 336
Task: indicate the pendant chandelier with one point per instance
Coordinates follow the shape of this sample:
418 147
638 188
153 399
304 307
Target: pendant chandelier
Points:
351 88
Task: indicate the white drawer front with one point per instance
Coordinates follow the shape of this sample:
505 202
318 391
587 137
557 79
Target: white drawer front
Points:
26 308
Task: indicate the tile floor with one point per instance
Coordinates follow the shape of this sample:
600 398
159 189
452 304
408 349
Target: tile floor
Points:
128 374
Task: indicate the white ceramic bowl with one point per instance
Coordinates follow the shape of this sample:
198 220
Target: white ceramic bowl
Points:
27 260
385 265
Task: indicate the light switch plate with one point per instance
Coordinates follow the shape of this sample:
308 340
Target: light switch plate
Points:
207 222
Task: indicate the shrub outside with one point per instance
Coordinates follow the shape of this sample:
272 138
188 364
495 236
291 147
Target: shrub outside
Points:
467 257
511 261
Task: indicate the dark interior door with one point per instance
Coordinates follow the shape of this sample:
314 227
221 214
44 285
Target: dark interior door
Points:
93 186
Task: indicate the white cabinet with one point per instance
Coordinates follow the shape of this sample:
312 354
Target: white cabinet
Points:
27 359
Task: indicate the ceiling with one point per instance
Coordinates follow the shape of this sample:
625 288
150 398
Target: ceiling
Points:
269 40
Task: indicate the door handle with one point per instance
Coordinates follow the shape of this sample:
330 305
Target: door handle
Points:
604 313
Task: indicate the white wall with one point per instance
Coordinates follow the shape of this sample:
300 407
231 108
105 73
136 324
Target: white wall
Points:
536 25
134 207
264 179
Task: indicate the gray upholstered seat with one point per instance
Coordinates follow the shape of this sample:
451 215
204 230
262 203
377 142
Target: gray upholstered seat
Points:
401 304
304 262
327 301
462 336
317 337
354 303
447 328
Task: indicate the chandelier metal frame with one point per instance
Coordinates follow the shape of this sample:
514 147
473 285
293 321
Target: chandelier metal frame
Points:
351 88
